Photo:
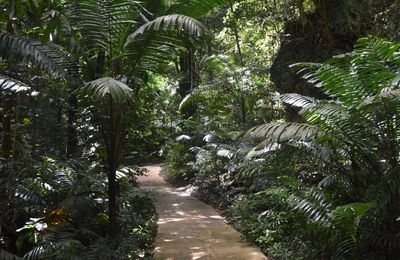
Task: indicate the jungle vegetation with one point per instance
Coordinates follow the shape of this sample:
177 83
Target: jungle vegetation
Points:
282 113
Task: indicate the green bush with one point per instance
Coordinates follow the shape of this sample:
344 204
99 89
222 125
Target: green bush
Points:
63 213
267 219
177 158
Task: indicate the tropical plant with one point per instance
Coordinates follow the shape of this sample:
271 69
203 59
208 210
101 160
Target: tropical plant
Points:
153 46
354 135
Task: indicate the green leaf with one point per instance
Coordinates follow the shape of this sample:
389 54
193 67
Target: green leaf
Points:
104 87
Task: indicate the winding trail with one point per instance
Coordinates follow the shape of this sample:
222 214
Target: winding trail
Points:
189 229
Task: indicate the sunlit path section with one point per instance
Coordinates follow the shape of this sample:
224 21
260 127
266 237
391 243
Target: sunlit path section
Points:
189 229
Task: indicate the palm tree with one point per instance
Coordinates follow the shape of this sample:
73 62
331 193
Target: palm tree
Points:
117 42
125 53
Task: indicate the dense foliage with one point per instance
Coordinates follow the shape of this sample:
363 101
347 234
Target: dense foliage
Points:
301 156
75 78
326 187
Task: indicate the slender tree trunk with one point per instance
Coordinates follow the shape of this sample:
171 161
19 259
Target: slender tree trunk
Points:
112 168
112 197
189 81
72 135
237 40
303 16
6 120
34 138
241 63
5 164
244 112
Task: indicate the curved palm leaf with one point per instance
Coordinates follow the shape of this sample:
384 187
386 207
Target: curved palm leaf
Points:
157 42
174 22
46 56
103 87
13 85
104 24
297 100
282 132
151 50
353 77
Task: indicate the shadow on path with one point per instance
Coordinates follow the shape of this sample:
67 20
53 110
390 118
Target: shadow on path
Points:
189 229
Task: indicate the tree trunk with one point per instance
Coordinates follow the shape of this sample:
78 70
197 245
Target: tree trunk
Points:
112 160
189 81
237 39
6 120
112 198
6 158
72 135
243 108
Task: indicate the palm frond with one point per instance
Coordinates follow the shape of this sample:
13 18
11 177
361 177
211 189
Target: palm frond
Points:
57 243
104 24
335 80
385 94
282 132
47 56
150 51
12 85
317 207
103 87
173 22
353 77
297 100
219 64
349 215
379 48
347 219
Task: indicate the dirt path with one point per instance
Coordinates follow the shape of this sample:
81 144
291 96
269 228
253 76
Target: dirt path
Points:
189 229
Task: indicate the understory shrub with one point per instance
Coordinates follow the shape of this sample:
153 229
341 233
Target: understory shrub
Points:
267 219
68 200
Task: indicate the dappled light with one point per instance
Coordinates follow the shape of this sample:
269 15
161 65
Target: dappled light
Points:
190 229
